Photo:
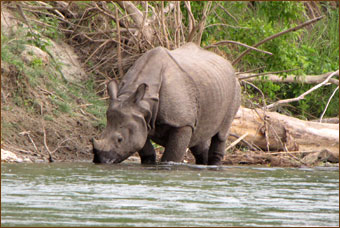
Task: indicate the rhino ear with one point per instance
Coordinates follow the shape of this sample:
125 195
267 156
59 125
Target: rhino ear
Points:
138 95
112 89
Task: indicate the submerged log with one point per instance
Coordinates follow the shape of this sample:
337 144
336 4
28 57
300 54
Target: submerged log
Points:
272 131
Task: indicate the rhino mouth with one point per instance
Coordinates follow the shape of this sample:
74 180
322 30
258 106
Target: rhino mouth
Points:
104 157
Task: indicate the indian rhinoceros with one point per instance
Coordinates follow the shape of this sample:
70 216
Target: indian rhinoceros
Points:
184 98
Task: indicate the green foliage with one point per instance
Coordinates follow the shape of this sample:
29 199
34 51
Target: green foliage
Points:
313 50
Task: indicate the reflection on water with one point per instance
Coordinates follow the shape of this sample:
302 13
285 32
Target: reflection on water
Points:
129 194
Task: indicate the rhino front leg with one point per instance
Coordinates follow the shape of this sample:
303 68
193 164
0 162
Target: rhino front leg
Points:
177 143
147 154
216 151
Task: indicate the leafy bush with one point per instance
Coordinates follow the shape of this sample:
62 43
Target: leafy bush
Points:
313 50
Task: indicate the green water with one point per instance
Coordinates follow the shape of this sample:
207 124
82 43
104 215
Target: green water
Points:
129 194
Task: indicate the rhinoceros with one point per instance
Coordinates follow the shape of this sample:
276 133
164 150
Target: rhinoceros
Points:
184 98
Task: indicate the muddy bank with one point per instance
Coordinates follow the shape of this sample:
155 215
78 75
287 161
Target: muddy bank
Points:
235 158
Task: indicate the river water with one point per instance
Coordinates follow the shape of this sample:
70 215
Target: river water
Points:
129 194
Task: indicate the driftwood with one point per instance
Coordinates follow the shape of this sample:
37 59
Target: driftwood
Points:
307 79
272 131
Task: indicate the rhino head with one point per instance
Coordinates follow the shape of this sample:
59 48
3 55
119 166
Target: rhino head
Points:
126 130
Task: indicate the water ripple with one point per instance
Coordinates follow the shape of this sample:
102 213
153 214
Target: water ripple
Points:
167 195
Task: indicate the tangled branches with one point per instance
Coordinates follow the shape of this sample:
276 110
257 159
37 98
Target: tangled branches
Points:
110 36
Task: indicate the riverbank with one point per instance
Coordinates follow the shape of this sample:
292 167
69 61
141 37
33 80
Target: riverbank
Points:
51 108
231 159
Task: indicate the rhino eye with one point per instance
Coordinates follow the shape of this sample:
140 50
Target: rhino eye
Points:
120 139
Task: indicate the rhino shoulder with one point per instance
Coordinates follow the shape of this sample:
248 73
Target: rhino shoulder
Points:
158 51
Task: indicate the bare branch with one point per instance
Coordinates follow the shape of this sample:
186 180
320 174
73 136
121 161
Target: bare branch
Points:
302 95
28 135
138 17
201 24
191 17
95 51
248 76
46 147
226 25
227 12
119 54
163 26
223 42
133 11
236 141
251 70
329 100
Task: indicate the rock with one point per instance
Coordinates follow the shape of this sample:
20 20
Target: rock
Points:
70 66
320 156
133 158
8 156
32 53
62 53
19 160
27 160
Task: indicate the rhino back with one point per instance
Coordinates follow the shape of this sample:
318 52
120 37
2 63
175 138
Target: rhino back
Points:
200 86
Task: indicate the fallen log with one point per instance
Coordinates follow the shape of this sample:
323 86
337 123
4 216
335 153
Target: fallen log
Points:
307 79
272 131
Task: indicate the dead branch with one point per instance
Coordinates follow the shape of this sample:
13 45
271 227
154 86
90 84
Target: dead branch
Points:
236 141
304 94
201 24
237 60
225 25
191 18
119 54
50 158
271 76
137 16
95 51
243 76
251 70
250 145
258 89
329 100
29 137
223 42
227 12
165 34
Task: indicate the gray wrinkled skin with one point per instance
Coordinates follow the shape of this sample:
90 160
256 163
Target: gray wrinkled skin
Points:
185 98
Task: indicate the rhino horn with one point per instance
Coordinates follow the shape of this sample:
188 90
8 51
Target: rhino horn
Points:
112 89
96 143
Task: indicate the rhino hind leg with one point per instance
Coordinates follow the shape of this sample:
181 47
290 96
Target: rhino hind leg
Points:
200 152
216 150
147 153
177 142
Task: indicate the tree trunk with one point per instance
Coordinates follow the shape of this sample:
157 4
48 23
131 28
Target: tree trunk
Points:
277 132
